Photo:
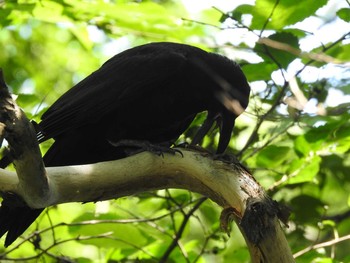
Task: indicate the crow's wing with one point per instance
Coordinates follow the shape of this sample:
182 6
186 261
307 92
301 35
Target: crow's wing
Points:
127 76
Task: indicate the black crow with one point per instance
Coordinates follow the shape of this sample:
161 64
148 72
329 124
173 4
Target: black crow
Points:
148 93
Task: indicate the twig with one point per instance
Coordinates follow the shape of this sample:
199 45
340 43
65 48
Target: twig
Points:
297 52
281 94
205 243
338 218
96 222
263 118
323 50
321 245
181 229
268 19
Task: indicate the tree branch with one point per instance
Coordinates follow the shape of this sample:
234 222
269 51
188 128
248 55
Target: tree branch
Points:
181 230
19 132
139 173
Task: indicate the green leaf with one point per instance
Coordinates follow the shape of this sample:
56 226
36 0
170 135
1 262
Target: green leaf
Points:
286 12
340 52
344 13
50 11
329 223
302 146
14 13
259 71
237 13
324 260
296 32
307 172
4 21
28 102
282 55
306 208
210 16
319 135
151 19
210 213
345 88
343 132
273 156
82 35
295 165
124 234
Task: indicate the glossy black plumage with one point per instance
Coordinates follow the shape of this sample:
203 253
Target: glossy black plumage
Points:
151 92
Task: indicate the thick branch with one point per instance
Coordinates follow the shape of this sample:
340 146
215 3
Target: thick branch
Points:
227 184
25 151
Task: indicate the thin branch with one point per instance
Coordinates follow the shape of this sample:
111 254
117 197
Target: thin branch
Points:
297 52
56 244
205 243
262 118
321 245
269 141
281 94
338 218
323 50
181 229
91 222
81 238
268 19
201 23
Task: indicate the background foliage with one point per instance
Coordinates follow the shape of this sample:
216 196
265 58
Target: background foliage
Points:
295 135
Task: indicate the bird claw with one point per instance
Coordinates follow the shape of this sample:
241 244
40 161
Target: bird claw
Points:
194 147
142 146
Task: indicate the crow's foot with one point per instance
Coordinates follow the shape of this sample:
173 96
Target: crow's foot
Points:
191 146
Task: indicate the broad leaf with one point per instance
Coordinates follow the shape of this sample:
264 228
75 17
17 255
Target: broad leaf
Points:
283 12
285 45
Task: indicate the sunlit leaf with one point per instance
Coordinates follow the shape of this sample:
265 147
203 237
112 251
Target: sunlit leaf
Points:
344 13
259 71
122 234
302 146
239 11
278 14
306 172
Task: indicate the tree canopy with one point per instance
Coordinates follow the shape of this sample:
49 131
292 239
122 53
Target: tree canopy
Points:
294 136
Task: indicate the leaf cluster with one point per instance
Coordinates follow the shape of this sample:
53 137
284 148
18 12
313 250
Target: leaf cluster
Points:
294 136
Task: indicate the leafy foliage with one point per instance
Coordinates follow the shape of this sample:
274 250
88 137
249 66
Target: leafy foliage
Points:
295 135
